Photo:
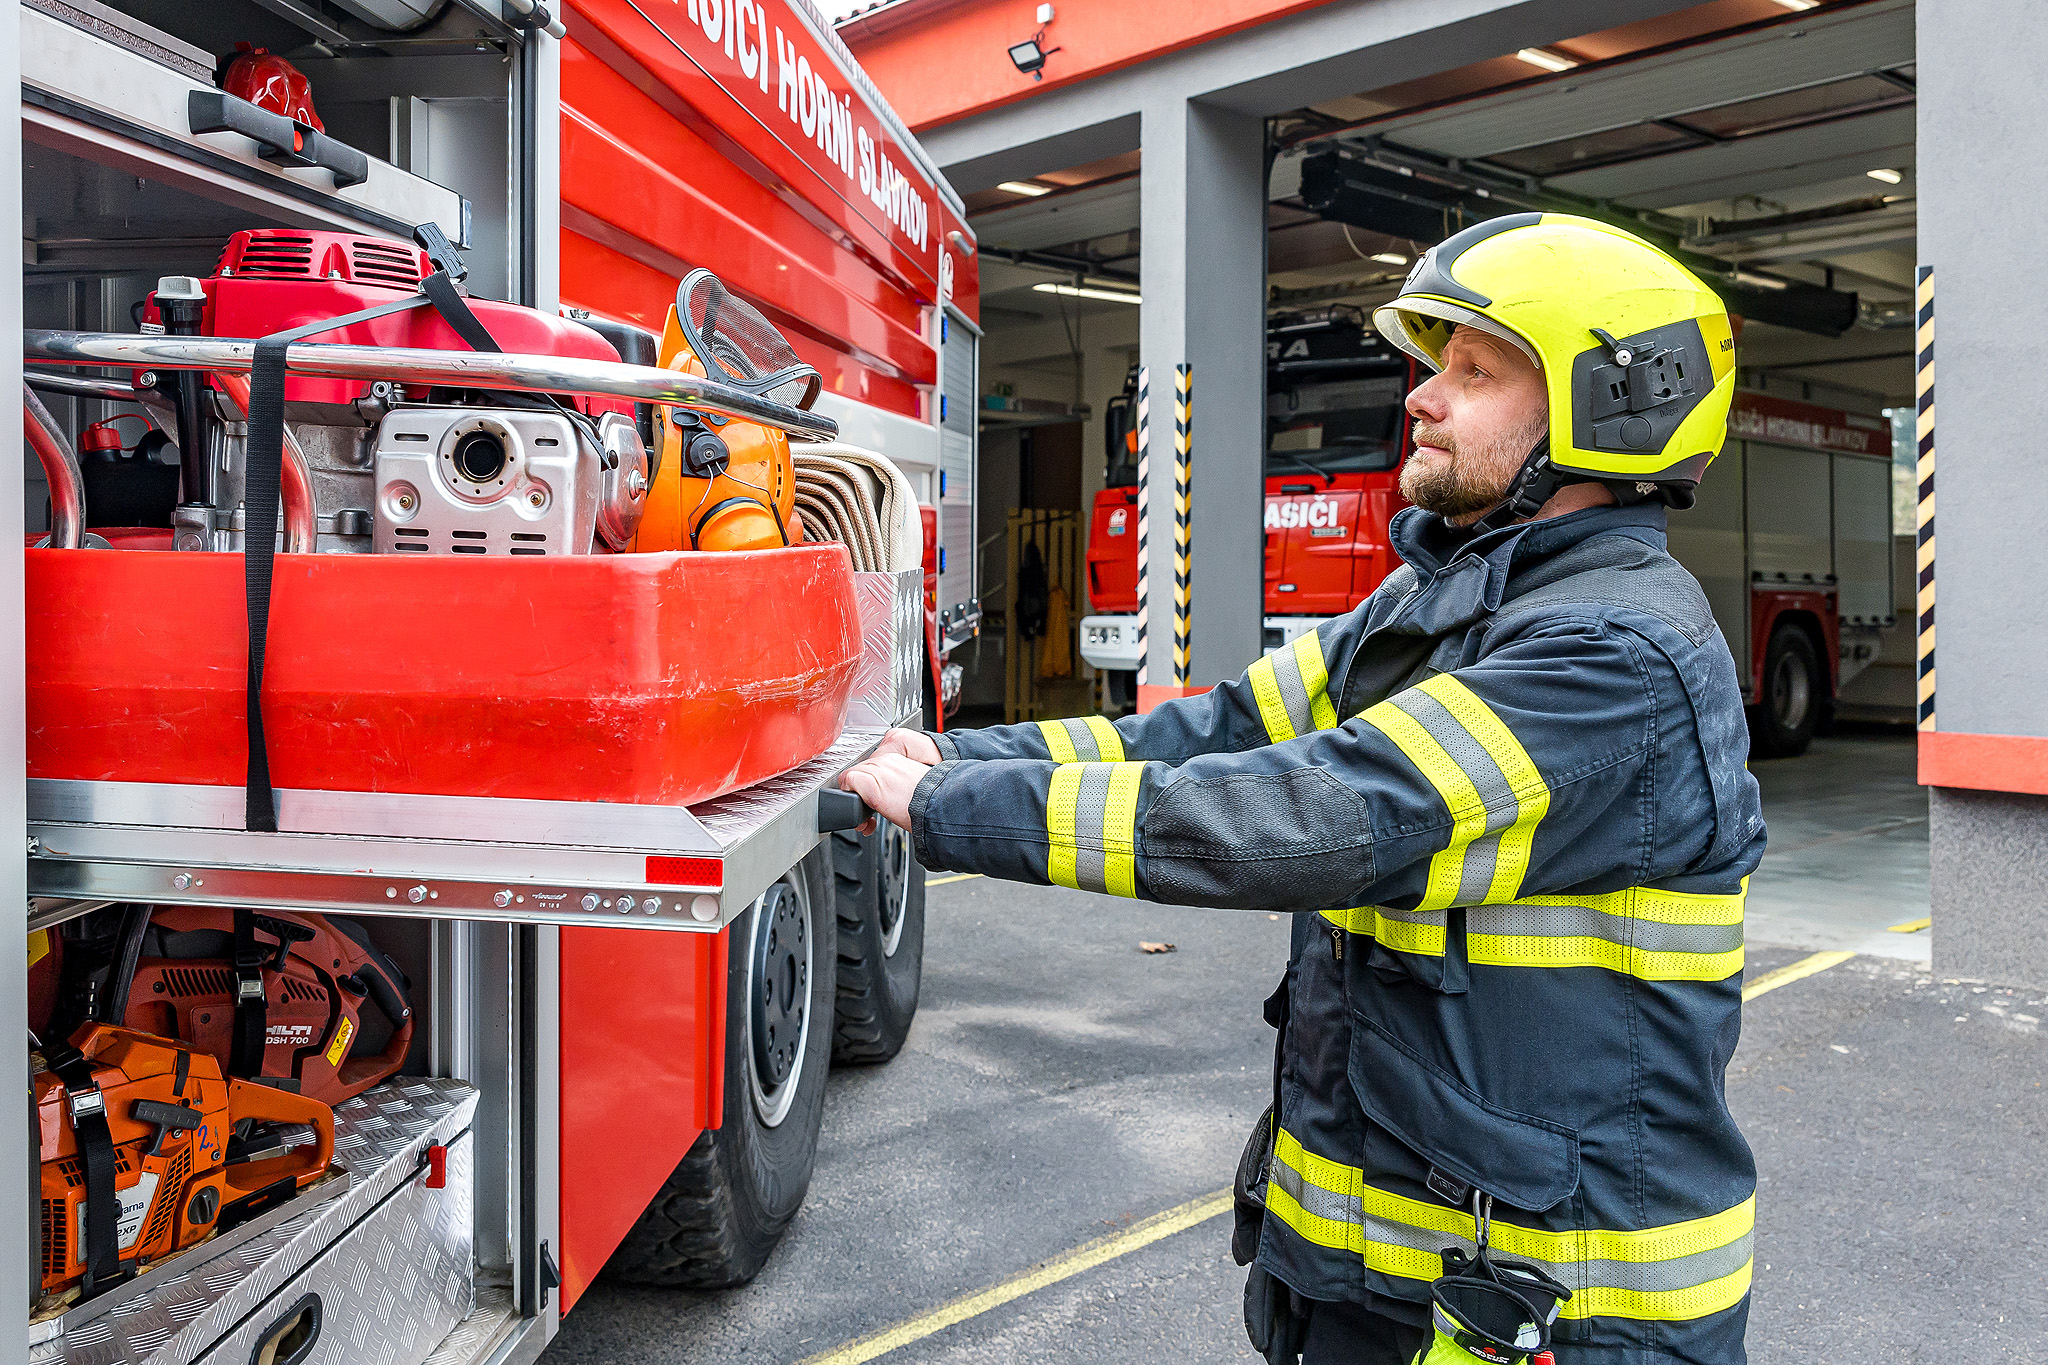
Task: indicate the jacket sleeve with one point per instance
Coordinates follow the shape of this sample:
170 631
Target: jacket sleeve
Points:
1282 695
1471 787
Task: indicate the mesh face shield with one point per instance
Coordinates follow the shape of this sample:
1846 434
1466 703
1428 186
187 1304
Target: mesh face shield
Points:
739 346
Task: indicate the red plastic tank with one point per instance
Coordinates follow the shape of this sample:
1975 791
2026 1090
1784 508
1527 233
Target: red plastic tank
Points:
648 678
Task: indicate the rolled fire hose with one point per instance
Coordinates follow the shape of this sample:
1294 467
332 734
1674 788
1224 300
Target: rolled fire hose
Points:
295 485
859 498
60 468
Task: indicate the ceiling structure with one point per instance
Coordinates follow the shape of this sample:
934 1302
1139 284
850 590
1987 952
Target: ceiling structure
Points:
1772 147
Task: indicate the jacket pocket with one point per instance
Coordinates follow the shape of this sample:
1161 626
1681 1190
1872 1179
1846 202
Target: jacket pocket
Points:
1519 1159
1426 947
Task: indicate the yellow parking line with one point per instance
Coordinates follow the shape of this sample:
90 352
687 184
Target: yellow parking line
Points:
1912 926
1798 971
956 877
1064 1266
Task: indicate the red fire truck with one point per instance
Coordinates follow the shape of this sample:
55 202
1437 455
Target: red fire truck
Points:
616 443
1791 537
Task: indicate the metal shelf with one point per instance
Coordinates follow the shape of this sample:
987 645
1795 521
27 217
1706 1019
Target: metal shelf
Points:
552 862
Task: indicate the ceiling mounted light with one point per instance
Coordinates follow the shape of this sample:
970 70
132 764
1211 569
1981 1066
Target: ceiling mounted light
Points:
1072 291
1388 258
1798 6
1753 281
1024 187
1545 58
1890 177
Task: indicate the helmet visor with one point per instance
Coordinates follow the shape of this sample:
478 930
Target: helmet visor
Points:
1422 327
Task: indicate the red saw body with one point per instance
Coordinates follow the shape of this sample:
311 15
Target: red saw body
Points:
321 974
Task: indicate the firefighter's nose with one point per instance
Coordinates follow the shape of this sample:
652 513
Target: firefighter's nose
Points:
1425 402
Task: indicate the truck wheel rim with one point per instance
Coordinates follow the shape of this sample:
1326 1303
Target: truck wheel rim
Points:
896 871
778 998
1791 692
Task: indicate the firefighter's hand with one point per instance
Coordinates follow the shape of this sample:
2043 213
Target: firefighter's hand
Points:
911 744
886 782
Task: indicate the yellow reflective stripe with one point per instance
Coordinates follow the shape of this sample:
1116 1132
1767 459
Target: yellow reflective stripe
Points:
1120 830
1516 950
1532 795
1460 797
1661 1305
1058 741
1108 742
1061 799
1403 936
1422 936
1399 1236
1315 679
1325 1232
1272 709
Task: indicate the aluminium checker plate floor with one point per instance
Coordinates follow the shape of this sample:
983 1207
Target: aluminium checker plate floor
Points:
380 1135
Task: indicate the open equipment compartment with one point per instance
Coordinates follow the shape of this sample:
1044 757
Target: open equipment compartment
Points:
440 124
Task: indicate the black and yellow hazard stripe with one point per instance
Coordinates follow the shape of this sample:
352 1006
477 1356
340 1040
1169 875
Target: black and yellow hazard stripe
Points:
1292 688
1183 537
1082 739
1669 1273
1144 513
1924 430
1488 783
1091 825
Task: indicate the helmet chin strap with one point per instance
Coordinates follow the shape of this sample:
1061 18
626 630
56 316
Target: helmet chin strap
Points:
1535 484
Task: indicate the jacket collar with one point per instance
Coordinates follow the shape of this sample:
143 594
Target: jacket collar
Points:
1462 576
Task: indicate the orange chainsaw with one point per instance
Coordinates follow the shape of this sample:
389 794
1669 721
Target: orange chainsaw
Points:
147 1150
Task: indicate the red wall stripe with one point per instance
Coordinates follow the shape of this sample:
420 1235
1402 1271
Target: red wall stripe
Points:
1992 763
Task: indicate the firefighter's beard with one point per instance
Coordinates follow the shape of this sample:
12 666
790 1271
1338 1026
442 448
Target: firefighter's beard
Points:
1476 475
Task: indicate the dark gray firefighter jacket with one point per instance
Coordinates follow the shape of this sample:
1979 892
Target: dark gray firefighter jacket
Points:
1506 799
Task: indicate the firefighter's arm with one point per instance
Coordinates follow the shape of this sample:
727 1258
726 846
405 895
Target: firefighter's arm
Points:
1434 797
1282 695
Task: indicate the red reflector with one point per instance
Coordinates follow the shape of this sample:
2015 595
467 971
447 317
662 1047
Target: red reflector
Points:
666 871
437 1167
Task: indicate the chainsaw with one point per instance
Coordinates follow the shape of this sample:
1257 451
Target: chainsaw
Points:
147 1149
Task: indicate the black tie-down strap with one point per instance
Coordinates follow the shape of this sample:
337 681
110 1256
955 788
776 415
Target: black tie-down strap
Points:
95 1141
252 1006
264 474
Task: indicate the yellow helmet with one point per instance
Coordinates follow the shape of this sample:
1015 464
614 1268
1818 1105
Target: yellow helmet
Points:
1637 355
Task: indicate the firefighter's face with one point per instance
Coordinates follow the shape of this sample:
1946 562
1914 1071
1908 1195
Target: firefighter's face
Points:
1475 422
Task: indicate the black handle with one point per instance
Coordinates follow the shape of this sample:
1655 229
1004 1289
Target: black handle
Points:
839 810
282 139
290 1340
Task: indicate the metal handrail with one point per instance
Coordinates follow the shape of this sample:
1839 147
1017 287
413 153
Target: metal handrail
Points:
60 468
462 369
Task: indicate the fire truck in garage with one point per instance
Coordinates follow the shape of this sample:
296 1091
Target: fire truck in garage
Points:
496 464
1791 538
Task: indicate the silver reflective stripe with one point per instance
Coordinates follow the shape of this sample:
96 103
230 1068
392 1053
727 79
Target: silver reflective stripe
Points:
1674 1273
1580 921
1293 690
1324 1204
1086 750
1089 807
1495 793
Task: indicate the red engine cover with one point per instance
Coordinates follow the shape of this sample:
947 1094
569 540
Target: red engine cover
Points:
664 678
275 279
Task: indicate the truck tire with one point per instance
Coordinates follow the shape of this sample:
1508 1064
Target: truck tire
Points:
880 896
724 1207
1793 693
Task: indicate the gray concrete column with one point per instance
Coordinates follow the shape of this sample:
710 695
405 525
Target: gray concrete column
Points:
1983 170
1203 274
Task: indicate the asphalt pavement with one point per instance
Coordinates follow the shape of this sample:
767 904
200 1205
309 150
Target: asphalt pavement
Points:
1060 1086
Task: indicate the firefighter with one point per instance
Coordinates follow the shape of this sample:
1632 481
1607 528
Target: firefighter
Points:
1506 799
